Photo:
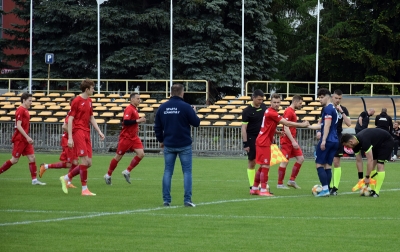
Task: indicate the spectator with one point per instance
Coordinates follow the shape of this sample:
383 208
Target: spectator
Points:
396 138
363 119
384 121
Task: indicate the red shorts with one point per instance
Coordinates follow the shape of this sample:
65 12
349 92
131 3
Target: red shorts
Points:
125 145
82 143
263 155
22 148
289 152
68 154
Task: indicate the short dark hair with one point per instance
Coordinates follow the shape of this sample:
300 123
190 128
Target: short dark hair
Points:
275 96
133 95
176 89
258 92
345 138
297 98
86 83
338 92
25 96
324 92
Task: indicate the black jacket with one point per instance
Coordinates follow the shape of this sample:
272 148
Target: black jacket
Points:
383 121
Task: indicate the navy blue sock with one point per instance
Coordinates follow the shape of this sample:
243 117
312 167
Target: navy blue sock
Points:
329 176
322 176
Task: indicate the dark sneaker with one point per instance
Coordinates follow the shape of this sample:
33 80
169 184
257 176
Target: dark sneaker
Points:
333 191
189 204
167 204
374 194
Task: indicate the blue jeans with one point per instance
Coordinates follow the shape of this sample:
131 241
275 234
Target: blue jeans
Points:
185 156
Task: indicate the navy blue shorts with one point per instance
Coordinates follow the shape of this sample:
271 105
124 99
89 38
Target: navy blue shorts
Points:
326 156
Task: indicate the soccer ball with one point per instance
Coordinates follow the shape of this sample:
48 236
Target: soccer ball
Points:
316 189
365 191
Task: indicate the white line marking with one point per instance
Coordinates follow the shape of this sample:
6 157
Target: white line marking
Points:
99 214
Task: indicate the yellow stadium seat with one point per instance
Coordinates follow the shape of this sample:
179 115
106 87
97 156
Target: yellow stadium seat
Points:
5 118
282 111
120 100
308 99
3 112
301 112
100 108
60 114
8 106
96 104
36 119
147 109
212 117
98 96
126 96
219 123
229 107
95 114
213 106
44 99
113 96
53 95
143 105
204 110
11 113
150 101
201 116
107 114
59 99
51 120
164 100
116 109
142 115
120 115
100 121
124 105
48 104
110 104
114 121
229 97
308 118
39 107
235 124
54 107
9 94
14 99
205 123
314 103
68 95
245 98
34 103
155 105
228 117
289 98
221 102
32 113
237 102
39 94
2 98
104 100
220 111
243 107
45 113
239 118
66 108
4 103
308 108
314 112
144 96
236 111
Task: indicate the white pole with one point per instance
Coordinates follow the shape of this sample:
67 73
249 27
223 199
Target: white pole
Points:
242 76
171 57
98 46
30 48
317 54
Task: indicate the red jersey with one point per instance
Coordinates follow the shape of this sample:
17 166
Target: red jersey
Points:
130 131
268 127
64 136
81 110
22 114
290 115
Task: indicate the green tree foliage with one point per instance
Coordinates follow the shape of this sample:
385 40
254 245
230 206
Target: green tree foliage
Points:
135 39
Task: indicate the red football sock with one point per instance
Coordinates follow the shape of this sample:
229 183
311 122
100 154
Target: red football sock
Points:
281 175
74 172
72 167
113 165
257 178
264 177
83 172
295 171
58 165
33 169
135 161
5 166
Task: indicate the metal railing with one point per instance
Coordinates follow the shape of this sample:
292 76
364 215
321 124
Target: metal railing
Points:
207 140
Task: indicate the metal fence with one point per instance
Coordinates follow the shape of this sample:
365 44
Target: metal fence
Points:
224 141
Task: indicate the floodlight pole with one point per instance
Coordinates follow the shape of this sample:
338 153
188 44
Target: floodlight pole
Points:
30 47
317 54
242 74
98 43
171 57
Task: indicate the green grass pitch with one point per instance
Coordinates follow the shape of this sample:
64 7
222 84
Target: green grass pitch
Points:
130 217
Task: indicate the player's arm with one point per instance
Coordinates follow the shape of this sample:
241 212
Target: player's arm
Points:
22 131
70 140
346 117
64 127
327 127
244 137
96 127
289 135
360 118
294 124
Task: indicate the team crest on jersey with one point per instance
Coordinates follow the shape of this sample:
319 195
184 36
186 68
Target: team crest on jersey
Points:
266 160
82 151
119 152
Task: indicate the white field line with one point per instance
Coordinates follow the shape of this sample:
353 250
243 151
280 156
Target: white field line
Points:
145 211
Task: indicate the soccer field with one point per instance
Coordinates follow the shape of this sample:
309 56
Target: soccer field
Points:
130 217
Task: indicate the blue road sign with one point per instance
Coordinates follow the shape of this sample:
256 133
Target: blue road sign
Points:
49 58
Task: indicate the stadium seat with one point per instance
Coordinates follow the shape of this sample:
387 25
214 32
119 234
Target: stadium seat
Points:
205 123
155 105
143 105
9 94
243 107
109 105
5 118
104 100
95 114
4 103
146 109
245 98
282 111
44 99
235 124
228 117
2 98
116 109
59 99
53 95
68 107
60 114
220 123
126 96
99 121
212 117
236 111
39 94
48 104
163 100
239 118
45 113
308 99
51 120
114 121
150 101
14 99
201 116
54 107
314 112
301 112
98 96
96 104
113 96
142 115
237 102
120 115
8 106
144 96
11 113
229 97
33 103
3 112
308 118
204 110
36 119
39 107
124 105
308 108
107 114
289 98
314 103
68 95
32 112
221 102
229 107
100 108
213 106
120 100
220 111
